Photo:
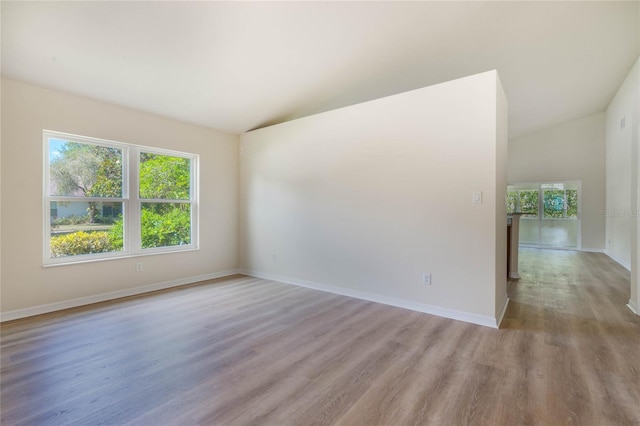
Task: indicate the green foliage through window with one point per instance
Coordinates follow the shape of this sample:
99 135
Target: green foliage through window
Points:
164 225
556 203
512 202
572 203
85 170
78 170
81 243
164 177
523 201
553 203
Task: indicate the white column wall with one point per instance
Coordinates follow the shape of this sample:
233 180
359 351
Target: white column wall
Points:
365 199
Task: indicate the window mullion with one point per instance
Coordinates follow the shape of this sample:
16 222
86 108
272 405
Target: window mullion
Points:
133 231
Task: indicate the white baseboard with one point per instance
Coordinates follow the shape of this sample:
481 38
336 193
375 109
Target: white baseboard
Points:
592 250
619 261
483 320
74 303
633 307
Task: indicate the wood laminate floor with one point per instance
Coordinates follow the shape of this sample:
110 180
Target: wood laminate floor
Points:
244 351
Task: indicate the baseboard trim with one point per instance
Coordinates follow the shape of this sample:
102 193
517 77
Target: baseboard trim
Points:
633 307
483 320
74 303
592 250
619 262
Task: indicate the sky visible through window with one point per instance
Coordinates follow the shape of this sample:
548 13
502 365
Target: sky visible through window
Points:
55 145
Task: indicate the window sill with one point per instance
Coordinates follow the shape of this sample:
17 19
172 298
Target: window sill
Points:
118 257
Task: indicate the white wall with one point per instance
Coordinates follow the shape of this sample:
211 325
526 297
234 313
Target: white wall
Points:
364 199
622 177
502 156
568 152
26 285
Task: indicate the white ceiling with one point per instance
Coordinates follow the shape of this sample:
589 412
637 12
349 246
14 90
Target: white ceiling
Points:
236 66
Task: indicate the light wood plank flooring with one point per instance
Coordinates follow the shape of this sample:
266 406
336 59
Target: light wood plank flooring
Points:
244 351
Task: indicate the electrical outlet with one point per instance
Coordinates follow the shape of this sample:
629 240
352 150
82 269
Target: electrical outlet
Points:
139 267
426 278
274 257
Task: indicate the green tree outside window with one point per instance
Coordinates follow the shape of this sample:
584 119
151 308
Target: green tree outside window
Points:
554 204
86 170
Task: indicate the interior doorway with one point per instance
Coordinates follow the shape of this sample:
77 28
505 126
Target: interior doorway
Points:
550 213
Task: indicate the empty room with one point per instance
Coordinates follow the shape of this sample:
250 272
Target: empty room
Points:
320 213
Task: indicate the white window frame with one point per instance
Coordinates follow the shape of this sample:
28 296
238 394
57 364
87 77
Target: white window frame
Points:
132 203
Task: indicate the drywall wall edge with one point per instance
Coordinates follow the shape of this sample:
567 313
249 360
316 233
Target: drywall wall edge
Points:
502 313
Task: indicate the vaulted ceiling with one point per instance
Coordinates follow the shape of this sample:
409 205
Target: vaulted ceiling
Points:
236 66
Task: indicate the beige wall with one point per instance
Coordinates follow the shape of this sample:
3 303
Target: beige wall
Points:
572 151
364 199
26 111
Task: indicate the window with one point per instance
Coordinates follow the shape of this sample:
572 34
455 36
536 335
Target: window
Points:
106 199
550 213
559 202
523 201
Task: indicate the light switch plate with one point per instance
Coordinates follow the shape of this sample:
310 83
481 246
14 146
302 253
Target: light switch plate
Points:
477 197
